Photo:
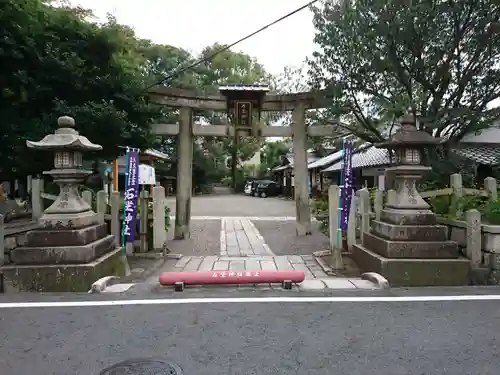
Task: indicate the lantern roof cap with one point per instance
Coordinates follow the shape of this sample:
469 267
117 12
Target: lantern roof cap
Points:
408 135
65 137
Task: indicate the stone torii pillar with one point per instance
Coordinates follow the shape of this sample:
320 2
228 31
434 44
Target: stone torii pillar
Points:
184 175
303 211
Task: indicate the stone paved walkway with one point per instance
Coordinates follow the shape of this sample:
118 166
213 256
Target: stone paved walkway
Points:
304 263
315 277
239 237
222 239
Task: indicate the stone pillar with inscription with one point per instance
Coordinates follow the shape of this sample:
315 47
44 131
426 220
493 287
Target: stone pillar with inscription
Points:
71 248
301 192
184 176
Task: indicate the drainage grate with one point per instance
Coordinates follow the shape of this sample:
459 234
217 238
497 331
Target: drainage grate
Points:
142 367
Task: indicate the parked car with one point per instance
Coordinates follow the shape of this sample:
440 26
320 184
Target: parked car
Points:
251 187
267 188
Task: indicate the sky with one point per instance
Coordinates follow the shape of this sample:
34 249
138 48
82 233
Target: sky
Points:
194 24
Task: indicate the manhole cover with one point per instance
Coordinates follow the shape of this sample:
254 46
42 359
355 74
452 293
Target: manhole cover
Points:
143 367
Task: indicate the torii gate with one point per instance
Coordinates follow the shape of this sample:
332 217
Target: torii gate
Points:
187 101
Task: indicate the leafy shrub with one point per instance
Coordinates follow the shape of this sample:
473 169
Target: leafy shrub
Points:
491 213
440 205
320 209
320 206
469 202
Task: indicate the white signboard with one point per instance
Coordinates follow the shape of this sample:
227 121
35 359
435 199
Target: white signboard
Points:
146 175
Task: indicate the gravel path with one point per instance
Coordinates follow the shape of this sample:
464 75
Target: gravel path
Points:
236 205
205 239
281 237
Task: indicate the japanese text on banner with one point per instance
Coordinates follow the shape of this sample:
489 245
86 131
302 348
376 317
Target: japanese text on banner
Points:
346 193
131 196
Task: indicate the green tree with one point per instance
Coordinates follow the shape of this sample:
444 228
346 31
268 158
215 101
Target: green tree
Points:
54 61
272 153
229 67
379 59
294 80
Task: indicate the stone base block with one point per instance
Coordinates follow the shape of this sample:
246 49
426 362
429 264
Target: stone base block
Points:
62 254
64 277
414 272
408 217
480 276
70 237
409 232
68 221
410 249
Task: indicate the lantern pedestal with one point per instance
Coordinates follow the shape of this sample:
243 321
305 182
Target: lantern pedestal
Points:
69 210
406 246
408 207
70 249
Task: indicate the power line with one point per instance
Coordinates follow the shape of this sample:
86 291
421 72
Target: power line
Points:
202 60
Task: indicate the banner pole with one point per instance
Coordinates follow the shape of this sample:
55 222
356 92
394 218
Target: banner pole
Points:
124 245
341 203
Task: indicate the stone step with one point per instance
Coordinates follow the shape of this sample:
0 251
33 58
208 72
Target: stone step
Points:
408 217
403 272
409 232
64 277
66 237
411 249
62 254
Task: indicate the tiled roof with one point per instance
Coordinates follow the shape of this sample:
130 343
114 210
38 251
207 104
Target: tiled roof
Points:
282 168
156 154
152 152
370 157
329 159
332 158
310 159
481 153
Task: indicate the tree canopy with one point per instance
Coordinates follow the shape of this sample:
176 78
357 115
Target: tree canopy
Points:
57 60
437 59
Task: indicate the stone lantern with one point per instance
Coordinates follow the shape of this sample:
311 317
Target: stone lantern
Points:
71 248
406 245
69 209
407 145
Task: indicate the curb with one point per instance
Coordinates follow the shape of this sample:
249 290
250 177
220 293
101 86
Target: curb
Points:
377 279
102 283
153 255
325 267
322 253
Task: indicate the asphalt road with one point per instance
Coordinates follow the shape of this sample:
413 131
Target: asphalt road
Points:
333 336
237 205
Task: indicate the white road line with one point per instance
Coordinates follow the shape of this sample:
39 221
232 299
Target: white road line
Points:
458 298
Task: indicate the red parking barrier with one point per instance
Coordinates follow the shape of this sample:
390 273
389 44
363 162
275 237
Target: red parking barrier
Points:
231 277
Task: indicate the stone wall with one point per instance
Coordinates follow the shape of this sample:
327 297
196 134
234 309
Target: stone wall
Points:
478 242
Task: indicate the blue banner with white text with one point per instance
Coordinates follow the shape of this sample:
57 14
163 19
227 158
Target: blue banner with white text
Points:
131 196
